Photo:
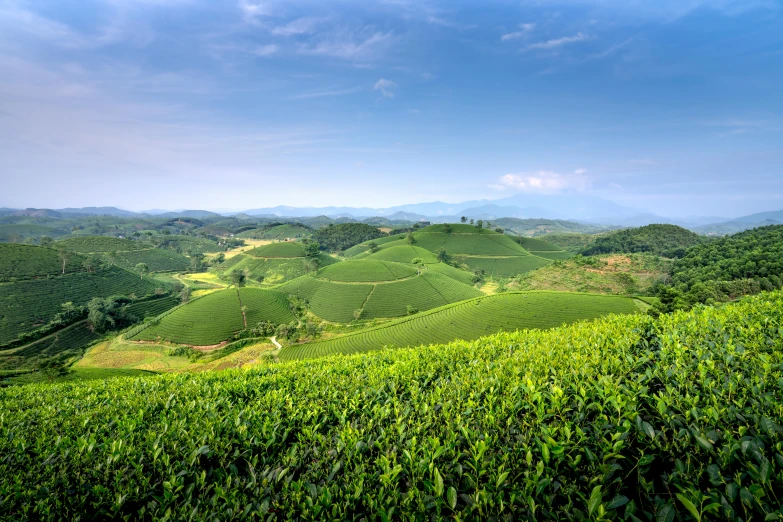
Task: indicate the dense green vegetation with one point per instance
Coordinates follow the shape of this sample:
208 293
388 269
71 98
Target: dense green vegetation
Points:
726 268
336 238
502 266
28 262
366 246
469 320
189 244
152 307
280 232
627 417
156 259
28 305
663 240
404 254
216 317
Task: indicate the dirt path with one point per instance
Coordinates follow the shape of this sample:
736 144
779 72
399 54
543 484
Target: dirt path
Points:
274 341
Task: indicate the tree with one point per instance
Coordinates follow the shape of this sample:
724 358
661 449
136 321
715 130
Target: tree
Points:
373 247
113 257
499 230
409 238
238 278
447 228
471 221
312 249
89 264
64 256
53 367
463 219
46 241
142 269
442 255
196 261
218 258
411 310
357 314
480 224
184 294
107 313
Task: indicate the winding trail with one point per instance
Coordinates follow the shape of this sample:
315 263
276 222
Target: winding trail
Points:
274 341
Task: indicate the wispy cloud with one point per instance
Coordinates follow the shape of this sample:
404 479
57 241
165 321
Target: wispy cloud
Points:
265 50
323 94
544 181
558 42
304 25
254 9
348 45
525 30
386 87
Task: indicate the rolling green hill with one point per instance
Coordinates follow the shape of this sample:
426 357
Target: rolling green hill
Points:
375 289
273 269
68 342
280 249
28 262
17 232
470 320
541 248
572 242
156 259
663 240
280 232
216 317
624 416
403 254
27 305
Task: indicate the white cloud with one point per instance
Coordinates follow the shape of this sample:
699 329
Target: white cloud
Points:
559 42
387 87
579 172
543 181
305 25
525 29
347 45
252 10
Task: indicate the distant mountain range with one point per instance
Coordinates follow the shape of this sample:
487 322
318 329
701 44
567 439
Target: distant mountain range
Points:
570 206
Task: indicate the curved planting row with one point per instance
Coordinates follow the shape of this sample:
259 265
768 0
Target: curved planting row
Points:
271 269
152 307
265 305
98 244
68 341
404 254
28 262
156 259
365 270
470 320
281 249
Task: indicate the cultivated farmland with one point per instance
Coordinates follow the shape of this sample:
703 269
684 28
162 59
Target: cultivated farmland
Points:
470 320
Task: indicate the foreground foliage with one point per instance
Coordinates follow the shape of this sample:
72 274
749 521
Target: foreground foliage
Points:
625 418
663 240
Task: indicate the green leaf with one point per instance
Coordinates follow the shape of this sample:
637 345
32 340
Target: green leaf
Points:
451 495
769 426
648 429
595 499
438 482
666 513
689 506
618 501
501 479
703 442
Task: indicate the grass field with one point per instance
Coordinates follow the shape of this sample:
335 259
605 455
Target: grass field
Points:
609 274
280 249
470 320
216 317
26 305
28 262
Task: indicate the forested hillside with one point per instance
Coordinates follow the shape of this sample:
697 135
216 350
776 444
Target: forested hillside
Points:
336 238
727 268
663 240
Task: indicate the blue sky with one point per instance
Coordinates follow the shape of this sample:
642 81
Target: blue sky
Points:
670 106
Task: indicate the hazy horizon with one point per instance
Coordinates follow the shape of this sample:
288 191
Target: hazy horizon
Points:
672 107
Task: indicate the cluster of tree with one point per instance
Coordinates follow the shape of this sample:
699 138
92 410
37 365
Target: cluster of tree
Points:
293 331
109 313
336 238
725 269
663 240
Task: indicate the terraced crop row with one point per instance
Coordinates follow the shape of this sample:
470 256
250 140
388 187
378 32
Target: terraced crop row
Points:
470 320
205 321
404 254
455 273
483 244
26 305
281 249
28 262
503 266
265 305
98 244
363 247
554 256
68 341
156 259
538 245
366 271
152 307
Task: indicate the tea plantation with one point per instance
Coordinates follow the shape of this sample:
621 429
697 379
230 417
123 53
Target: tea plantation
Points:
624 418
29 262
272 269
470 320
216 317
69 341
281 249
98 244
26 305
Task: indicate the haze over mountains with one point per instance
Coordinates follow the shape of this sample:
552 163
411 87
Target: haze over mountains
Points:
576 207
